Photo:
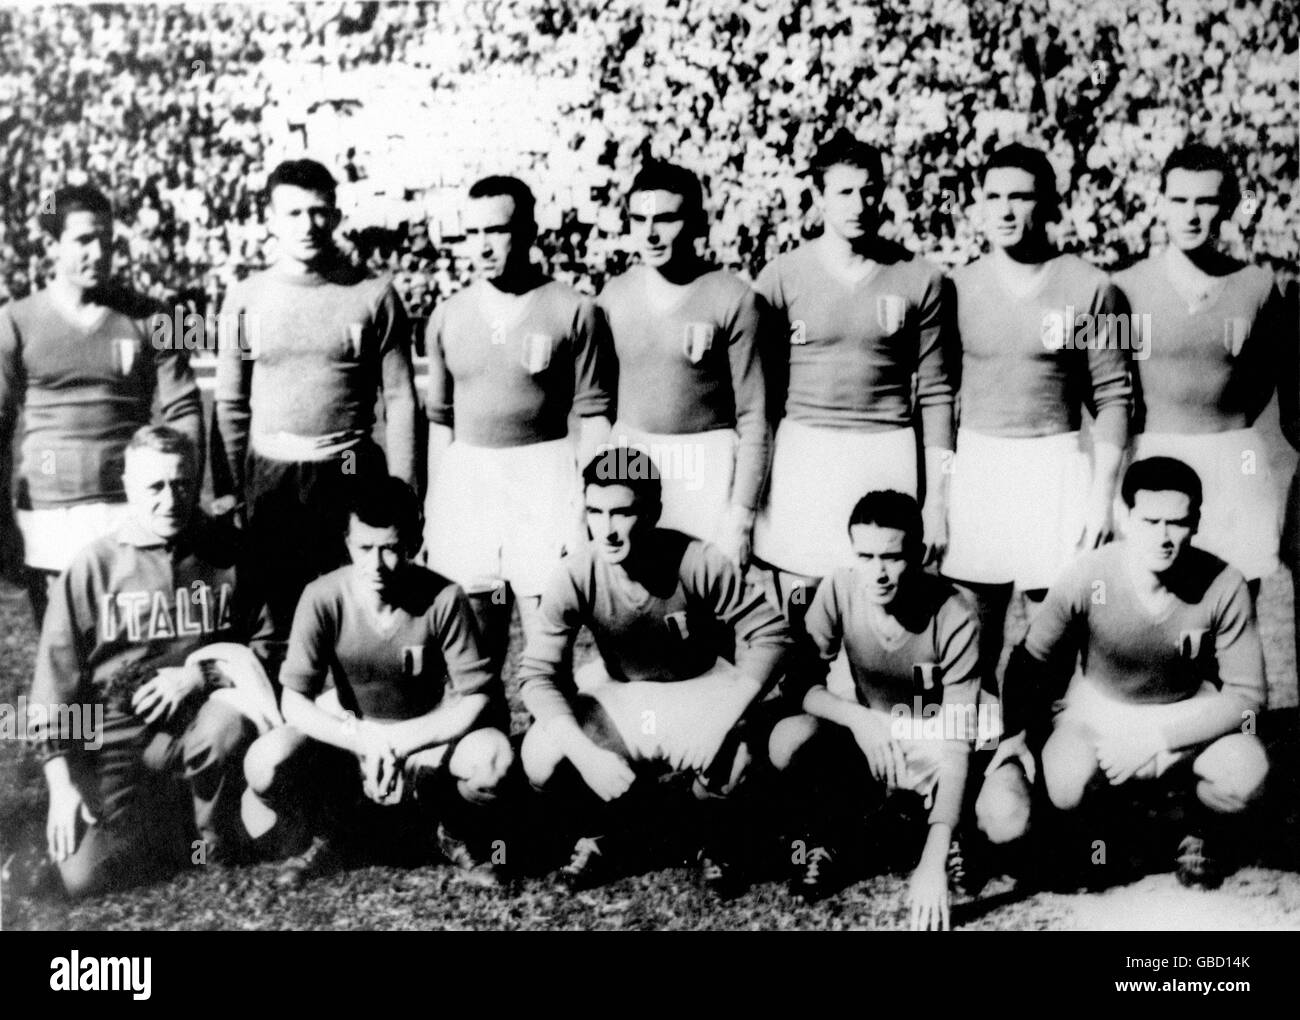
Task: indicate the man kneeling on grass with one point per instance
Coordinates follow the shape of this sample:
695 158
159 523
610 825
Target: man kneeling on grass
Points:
666 612
1169 682
412 723
895 734
120 636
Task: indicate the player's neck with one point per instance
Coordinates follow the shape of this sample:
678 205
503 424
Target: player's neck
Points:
680 272
1027 258
319 266
856 254
68 295
517 281
1201 263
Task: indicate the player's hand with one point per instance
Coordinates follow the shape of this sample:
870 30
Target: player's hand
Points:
1123 753
605 772
934 531
158 699
927 898
1098 524
1014 748
884 754
735 535
380 766
64 825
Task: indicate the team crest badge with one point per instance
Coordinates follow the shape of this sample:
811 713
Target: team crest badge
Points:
697 338
1234 334
412 661
890 312
1191 643
125 350
677 624
536 354
925 675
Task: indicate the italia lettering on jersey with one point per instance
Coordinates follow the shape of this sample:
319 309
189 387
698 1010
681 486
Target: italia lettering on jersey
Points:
152 615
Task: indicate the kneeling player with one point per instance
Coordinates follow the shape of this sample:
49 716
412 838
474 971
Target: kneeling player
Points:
122 621
912 644
415 697
664 609
1171 680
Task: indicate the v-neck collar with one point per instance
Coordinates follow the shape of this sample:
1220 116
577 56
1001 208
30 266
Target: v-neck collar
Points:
849 278
664 297
1040 280
507 309
1144 604
1197 301
85 329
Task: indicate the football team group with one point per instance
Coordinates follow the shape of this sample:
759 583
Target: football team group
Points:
793 515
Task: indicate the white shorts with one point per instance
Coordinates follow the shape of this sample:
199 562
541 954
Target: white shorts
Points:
696 470
52 536
1015 508
656 720
818 475
504 513
1241 514
1087 705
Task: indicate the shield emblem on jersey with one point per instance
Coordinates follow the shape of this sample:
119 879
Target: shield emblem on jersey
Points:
890 312
412 661
1191 644
1234 334
697 338
925 675
125 350
677 624
536 353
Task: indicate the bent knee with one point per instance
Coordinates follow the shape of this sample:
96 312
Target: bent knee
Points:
482 758
220 732
1231 772
1002 807
788 736
1069 764
268 758
539 755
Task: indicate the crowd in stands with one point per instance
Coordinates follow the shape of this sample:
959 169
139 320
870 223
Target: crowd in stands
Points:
178 111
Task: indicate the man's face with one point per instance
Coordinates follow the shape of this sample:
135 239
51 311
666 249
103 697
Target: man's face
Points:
850 202
377 555
615 521
161 489
659 229
1192 208
490 237
1010 206
1160 526
83 254
881 560
303 221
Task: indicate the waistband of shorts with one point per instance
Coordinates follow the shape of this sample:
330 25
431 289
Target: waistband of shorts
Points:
285 446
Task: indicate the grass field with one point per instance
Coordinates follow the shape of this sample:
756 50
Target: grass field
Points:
1265 896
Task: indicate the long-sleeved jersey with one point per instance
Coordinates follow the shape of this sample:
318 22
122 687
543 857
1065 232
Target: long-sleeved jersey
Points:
84 392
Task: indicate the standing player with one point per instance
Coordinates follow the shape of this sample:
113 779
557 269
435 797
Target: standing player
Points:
509 358
866 347
690 379
122 620
77 359
1220 333
416 701
318 339
912 642
1036 348
666 612
1171 675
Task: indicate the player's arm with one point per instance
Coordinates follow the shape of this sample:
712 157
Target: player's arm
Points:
744 352
311 649
61 656
937 379
1111 402
234 383
1244 691
774 340
824 624
593 395
179 400
398 380
469 674
762 639
437 403
12 388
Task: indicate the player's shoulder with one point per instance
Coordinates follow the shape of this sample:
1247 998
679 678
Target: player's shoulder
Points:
971 273
694 557
424 590
947 601
328 589
1255 280
131 303
792 263
1075 268
618 286
1127 275
1203 576
908 265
